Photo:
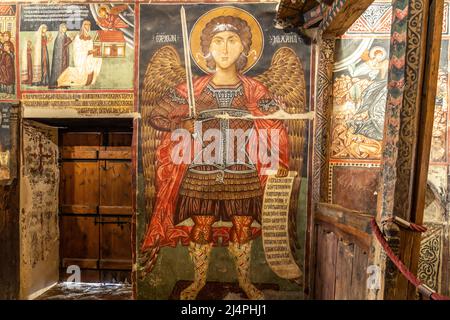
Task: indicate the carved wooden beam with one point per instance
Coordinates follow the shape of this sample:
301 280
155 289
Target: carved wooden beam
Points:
323 109
342 14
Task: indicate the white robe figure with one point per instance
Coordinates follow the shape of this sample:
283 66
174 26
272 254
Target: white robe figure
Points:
86 67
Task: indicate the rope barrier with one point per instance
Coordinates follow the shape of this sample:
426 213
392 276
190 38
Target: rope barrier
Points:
421 287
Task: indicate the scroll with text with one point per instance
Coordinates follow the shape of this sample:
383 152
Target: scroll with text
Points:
5 142
275 234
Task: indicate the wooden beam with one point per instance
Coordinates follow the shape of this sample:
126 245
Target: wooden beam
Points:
323 107
323 110
429 91
407 134
342 14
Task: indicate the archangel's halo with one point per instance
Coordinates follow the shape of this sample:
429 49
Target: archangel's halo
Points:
257 45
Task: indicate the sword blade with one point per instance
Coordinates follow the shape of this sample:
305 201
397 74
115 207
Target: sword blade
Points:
187 64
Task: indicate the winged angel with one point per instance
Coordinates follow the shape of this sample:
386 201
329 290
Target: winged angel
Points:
204 203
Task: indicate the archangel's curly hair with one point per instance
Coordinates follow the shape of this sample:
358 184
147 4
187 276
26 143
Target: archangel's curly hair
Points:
226 23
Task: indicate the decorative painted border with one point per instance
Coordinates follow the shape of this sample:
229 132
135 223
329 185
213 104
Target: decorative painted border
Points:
332 13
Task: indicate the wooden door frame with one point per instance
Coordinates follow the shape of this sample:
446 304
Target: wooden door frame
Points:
339 17
412 88
406 144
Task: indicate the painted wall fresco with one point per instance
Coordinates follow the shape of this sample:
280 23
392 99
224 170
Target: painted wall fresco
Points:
8 47
199 223
82 53
359 102
39 230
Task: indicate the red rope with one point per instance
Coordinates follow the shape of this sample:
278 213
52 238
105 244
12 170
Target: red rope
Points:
399 264
417 227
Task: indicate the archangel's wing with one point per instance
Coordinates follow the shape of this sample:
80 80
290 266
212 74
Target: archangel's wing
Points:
164 72
285 80
118 9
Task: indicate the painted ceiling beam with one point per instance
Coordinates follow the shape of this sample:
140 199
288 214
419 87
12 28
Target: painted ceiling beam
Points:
342 14
299 13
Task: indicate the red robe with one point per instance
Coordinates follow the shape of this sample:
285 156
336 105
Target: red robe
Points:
169 176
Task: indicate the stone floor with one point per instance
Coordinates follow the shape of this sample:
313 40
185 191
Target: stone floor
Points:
88 291
107 291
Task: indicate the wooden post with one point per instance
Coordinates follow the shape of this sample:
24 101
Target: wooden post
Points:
408 126
429 91
323 108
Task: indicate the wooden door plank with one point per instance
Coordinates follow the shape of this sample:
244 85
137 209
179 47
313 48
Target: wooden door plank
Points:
344 265
359 274
78 209
330 265
326 264
80 262
115 210
319 266
79 183
115 264
82 139
72 153
80 239
116 184
115 241
115 154
120 139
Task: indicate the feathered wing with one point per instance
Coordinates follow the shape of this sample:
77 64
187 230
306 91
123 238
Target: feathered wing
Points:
164 72
285 80
118 9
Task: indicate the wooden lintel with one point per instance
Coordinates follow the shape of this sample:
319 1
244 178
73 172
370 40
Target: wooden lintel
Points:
342 14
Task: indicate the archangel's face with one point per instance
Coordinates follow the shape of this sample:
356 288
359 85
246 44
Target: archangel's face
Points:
225 48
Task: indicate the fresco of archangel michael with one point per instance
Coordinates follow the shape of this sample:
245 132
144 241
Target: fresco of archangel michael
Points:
207 145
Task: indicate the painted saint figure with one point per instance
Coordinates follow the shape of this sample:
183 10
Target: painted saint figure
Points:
7 38
41 62
86 67
7 70
370 102
199 202
60 61
26 73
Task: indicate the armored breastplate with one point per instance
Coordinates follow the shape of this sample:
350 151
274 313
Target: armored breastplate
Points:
221 115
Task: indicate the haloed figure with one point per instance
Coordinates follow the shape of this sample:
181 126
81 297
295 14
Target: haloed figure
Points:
7 69
41 62
86 67
60 61
223 191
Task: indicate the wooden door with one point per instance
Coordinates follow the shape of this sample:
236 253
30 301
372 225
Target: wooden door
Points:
342 243
39 232
96 205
